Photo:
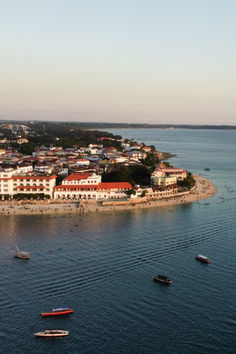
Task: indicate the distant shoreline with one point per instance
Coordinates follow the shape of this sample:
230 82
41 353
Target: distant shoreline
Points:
120 125
204 189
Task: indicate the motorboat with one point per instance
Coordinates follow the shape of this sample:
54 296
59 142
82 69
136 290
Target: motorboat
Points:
58 312
22 255
163 279
52 333
202 259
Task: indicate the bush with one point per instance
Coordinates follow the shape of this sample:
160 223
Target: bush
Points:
38 196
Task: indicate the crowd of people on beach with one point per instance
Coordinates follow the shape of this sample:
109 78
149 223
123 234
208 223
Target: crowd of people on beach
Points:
203 189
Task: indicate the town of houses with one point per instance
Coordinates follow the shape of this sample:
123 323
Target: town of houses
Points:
75 173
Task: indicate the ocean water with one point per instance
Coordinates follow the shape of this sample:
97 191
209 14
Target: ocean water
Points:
103 266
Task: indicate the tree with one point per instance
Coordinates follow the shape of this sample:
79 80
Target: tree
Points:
134 174
188 182
130 192
27 148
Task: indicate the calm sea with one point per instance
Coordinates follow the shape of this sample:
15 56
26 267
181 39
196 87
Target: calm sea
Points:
103 266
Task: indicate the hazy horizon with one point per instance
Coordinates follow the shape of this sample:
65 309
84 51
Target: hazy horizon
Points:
130 61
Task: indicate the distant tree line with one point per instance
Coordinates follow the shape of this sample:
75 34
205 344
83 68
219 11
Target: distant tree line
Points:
59 134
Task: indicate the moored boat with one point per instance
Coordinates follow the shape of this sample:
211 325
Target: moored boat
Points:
58 312
52 333
22 255
202 259
163 279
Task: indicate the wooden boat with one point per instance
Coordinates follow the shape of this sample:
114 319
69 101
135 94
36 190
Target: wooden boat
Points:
163 279
58 312
22 255
52 333
202 259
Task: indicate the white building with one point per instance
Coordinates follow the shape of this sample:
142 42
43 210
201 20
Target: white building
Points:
12 183
89 186
137 155
82 162
82 179
165 176
43 168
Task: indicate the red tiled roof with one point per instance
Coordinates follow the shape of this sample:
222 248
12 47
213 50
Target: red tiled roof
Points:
105 138
78 176
114 185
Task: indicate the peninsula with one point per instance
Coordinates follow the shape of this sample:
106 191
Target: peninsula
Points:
61 168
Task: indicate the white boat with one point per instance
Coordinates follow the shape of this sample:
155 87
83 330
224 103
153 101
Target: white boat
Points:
22 255
52 333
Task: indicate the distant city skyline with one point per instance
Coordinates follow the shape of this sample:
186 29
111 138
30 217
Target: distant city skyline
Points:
133 61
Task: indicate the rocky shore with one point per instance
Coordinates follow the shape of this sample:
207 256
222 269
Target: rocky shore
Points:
203 189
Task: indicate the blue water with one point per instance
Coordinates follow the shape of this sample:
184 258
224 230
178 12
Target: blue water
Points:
103 266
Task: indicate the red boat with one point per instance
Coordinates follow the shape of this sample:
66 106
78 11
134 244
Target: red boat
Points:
202 259
58 312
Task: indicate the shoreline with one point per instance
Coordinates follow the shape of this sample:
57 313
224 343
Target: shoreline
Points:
203 189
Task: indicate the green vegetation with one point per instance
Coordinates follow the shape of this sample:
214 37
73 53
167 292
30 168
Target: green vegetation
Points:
21 196
5 196
134 174
151 160
130 192
68 135
143 194
188 182
27 148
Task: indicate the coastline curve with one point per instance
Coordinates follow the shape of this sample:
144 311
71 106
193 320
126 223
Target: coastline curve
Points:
203 189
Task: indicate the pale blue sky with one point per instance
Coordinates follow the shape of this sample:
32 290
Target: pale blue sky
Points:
171 61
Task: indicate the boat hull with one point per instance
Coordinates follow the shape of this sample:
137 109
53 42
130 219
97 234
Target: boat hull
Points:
203 260
52 335
57 313
163 281
22 256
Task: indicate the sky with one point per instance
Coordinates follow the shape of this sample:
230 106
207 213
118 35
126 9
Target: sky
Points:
147 61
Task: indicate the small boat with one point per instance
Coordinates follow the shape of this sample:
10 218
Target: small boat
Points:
22 255
58 312
163 279
52 333
202 259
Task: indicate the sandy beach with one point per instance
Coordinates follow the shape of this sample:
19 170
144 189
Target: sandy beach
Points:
203 189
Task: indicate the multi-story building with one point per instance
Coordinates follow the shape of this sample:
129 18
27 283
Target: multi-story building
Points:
12 182
164 176
89 186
